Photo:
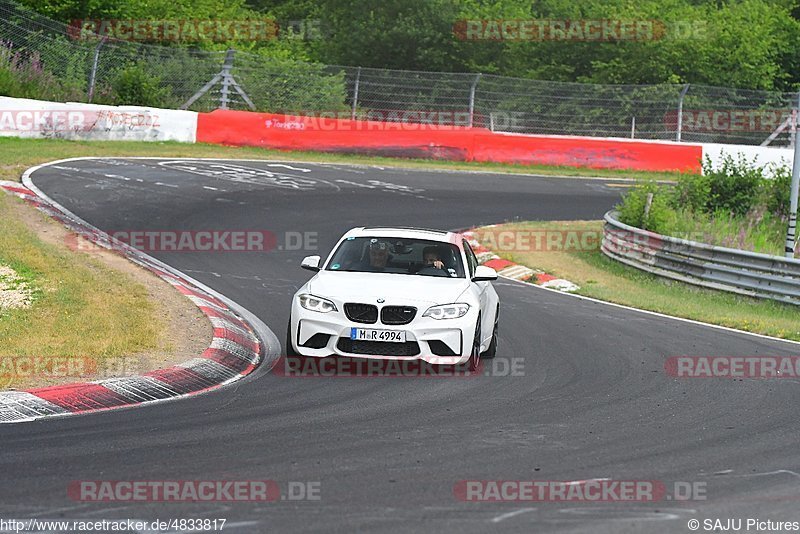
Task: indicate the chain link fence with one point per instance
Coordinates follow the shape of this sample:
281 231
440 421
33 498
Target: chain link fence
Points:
42 58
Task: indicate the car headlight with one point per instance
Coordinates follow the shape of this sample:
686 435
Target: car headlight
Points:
317 304
447 311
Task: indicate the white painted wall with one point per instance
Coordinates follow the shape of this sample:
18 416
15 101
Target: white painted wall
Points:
763 155
21 117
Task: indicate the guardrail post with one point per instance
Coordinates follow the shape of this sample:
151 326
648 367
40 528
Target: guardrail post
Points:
355 93
680 112
472 99
790 232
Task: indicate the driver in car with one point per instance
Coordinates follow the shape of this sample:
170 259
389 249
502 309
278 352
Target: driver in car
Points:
431 258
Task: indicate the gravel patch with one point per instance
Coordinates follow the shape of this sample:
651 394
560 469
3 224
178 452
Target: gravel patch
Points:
14 291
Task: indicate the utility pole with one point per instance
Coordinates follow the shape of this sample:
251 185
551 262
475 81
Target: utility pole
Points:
790 232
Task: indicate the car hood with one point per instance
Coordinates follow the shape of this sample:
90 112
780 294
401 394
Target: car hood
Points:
394 288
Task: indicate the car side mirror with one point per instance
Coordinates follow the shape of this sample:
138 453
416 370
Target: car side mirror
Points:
484 274
311 263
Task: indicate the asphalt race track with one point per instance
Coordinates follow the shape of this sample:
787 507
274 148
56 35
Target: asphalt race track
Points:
593 401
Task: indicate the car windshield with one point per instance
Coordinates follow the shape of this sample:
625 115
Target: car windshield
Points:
418 257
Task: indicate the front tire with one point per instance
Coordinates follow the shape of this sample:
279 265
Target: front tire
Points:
475 355
290 352
491 352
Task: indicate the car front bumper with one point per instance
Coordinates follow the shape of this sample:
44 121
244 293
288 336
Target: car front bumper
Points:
324 334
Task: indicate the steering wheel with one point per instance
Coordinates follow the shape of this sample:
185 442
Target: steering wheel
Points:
432 271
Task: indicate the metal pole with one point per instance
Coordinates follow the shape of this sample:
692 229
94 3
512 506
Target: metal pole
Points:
472 99
633 126
226 79
355 94
790 232
680 112
93 75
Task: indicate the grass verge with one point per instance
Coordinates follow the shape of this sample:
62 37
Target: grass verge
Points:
602 278
20 154
82 310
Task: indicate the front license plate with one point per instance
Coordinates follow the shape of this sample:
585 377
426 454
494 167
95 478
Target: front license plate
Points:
367 334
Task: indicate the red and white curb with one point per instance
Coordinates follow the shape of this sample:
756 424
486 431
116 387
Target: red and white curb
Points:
240 343
514 271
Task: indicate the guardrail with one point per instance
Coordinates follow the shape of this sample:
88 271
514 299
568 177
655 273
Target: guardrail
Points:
726 269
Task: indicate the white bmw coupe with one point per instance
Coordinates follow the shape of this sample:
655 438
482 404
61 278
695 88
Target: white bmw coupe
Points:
397 293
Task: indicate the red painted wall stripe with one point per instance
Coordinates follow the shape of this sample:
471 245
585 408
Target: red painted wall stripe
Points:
440 142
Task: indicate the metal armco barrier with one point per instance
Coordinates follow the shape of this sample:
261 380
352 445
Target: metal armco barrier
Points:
726 269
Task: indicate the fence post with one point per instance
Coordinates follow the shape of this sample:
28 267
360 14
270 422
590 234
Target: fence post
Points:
790 231
93 74
633 126
355 93
472 99
680 112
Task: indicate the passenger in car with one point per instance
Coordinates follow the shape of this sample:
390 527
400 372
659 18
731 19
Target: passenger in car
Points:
378 255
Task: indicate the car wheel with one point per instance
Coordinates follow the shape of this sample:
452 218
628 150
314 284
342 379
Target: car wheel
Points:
475 355
491 352
289 347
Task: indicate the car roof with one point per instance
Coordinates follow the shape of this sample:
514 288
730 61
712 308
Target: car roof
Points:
404 232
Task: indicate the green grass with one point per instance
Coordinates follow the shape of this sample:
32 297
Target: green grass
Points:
756 232
602 278
20 154
81 308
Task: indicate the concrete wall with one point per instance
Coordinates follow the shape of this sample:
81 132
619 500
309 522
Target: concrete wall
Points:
41 119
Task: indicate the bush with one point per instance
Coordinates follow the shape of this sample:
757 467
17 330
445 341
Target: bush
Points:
776 192
134 86
692 192
22 75
633 206
733 187
735 205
